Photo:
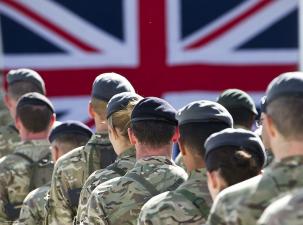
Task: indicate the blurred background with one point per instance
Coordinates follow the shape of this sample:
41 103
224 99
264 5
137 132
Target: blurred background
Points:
181 50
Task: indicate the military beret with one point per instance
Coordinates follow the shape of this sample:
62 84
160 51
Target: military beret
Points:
204 111
120 101
70 127
239 138
285 85
26 75
107 85
154 109
235 98
35 99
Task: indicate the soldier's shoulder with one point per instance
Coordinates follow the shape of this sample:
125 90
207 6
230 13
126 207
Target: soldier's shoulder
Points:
74 156
11 161
36 194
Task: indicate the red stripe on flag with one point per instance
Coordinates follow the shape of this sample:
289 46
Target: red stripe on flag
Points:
42 21
216 33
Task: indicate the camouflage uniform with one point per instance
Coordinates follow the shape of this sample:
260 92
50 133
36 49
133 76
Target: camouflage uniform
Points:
15 176
244 203
9 138
70 173
33 208
286 210
124 162
118 201
189 204
5 116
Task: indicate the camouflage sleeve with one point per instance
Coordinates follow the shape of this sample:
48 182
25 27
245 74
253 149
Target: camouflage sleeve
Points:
59 211
5 177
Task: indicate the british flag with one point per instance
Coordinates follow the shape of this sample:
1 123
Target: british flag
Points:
178 49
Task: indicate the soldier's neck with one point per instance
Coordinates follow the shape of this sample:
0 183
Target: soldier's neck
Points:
28 136
143 151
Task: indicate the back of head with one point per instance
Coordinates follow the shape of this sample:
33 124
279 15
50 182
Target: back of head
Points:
236 154
153 122
240 105
198 120
22 81
105 86
35 112
284 104
118 112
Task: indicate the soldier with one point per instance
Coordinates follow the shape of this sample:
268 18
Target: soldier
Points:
190 203
118 113
285 210
232 156
153 130
19 82
241 106
20 172
244 203
73 169
63 138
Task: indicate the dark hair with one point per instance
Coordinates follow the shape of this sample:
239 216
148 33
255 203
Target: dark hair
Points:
153 133
73 140
234 164
193 135
287 115
242 116
34 118
19 88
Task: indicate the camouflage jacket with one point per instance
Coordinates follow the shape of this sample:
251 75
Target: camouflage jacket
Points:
5 116
9 139
33 208
118 201
244 203
15 176
70 172
189 204
286 210
124 162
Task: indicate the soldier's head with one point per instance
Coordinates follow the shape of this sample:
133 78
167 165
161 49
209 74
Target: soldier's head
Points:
283 120
197 121
20 82
118 112
232 156
34 116
67 136
241 106
105 86
153 127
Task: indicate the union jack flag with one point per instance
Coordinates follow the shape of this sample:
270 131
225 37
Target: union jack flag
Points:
178 49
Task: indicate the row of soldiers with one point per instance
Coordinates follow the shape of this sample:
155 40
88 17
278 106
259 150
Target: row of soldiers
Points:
124 172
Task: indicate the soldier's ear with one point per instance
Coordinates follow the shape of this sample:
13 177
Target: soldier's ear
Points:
131 136
91 111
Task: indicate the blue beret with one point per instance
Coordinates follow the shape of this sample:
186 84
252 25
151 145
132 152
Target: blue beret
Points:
239 138
204 111
28 75
120 101
35 99
107 85
285 85
70 127
154 109
235 98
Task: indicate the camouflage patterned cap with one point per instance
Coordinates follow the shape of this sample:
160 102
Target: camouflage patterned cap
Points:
26 75
239 138
120 101
106 85
204 111
70 127
287 84
36 99
154 109
235 98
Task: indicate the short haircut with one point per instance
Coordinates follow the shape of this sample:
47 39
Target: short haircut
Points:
234 165
193 135
19 88
99 106
242 116
35 118
287 116
153 133
70 141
